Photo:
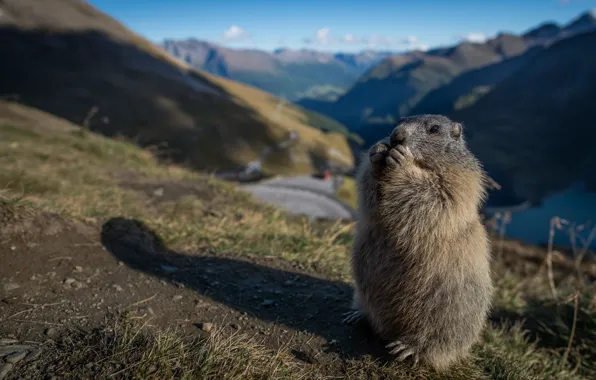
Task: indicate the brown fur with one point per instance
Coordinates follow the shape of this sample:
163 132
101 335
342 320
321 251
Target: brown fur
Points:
421 254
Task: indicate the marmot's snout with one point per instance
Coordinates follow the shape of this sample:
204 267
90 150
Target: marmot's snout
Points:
401 135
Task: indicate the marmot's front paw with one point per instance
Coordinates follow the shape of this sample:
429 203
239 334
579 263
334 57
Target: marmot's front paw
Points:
399 156
377 155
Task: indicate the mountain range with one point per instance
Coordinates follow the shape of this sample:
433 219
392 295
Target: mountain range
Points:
293 74
535 129
68 59
439 80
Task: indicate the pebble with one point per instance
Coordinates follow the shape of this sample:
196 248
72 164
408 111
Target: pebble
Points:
206 326
177 297
118 288
77 285
11 286
78 268
69 281
16 357
4 370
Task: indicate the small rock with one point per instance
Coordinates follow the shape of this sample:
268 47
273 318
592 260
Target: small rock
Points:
11 286
34 352
13 247
69 281
118 288
78 268
206 326
268 302
77 285
4 370
33 278
16 357
177 298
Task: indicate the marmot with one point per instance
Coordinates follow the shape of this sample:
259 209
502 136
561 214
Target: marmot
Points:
420 259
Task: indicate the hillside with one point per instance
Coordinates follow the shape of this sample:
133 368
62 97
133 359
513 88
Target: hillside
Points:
440 80
283 72
69 59
537 126
117 266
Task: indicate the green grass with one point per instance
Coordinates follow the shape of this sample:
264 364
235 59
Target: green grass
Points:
51 166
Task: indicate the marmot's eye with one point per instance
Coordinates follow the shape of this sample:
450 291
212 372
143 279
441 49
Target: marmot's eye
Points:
434 129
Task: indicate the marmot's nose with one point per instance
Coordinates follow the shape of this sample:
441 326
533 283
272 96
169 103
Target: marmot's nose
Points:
400 135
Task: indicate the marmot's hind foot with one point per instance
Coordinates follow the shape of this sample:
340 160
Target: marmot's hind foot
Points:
352 317
403 351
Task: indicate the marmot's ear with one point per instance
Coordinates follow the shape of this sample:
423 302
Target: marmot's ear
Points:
456 131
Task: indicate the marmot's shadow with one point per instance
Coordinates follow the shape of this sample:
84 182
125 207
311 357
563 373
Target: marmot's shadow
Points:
306 303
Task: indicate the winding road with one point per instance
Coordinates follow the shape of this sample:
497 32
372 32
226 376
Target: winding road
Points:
302 195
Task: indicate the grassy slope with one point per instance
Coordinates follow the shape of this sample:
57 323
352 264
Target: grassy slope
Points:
57 166
65 57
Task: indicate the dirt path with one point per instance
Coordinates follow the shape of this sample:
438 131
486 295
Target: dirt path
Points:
57 274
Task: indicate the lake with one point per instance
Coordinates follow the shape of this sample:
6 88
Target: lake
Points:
531 224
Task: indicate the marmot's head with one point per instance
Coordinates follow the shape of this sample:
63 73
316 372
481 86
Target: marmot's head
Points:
435 141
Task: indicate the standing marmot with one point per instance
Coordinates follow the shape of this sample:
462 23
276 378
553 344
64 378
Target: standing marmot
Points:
421 255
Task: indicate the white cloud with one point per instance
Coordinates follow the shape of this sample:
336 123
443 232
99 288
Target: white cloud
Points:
324 36
351 39
235 33
475 37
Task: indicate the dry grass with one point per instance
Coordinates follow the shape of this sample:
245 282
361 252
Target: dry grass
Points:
52 165
124 348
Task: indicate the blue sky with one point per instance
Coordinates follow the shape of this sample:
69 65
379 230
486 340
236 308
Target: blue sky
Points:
348 25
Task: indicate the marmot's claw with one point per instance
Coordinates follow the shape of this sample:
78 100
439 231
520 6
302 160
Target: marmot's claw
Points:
405 151
403 351
352 317
377 154
395 158
399 156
